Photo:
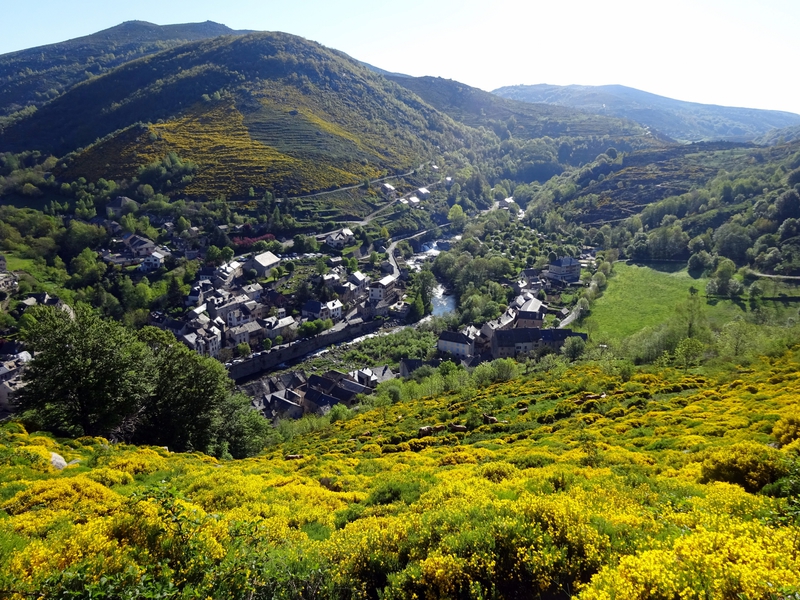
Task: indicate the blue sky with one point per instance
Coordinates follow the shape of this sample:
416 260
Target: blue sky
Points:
729 52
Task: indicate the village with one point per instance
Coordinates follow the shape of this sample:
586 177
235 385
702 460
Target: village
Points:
236 313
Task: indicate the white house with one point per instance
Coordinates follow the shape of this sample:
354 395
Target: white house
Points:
361 281
275 326
379 290
335 309
225 274
456 343
245 333
153 262
340 239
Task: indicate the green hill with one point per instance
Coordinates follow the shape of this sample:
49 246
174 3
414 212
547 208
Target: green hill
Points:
511 118
685 121
609 191
593 478
267 110
34 76
779 136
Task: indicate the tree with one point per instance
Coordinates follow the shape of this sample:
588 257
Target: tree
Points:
416 310
226 254
573 347
243 349
86 268
732 240
457 217
426 283
174 295
183 410
88 374
689 350
213 255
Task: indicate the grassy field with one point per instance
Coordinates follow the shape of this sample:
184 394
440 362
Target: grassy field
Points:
640 296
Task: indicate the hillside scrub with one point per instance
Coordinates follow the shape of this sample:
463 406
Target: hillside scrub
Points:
593 478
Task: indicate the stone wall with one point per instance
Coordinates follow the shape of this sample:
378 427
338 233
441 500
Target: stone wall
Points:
269 360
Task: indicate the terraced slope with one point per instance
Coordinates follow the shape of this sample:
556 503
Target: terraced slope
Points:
591 481
627 186
269 111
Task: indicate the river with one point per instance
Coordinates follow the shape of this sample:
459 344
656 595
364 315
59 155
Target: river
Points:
443 304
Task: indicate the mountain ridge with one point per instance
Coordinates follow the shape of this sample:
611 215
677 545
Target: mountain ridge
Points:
33 76
679 119
265 99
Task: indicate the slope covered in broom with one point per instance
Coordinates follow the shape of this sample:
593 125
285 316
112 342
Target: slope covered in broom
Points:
593 480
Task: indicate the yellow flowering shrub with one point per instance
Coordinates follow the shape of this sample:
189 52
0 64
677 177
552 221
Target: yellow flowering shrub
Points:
658 502
141 462
109 477
63 494
787 429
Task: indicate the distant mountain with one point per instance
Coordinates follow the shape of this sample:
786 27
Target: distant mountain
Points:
478 108
32 77
778 136
683 121
268 111
577 136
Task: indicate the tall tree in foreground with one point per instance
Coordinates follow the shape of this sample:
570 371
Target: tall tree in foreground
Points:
183 412
88 375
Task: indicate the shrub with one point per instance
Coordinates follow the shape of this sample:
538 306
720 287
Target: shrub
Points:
109 477
787 429
497 471
747 464
395 491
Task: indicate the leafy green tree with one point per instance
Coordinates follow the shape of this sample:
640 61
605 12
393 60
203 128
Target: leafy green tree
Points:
573 348
183 410
416 310
226 254
86 268
213 255
88 375
687 353
243 349
425 282
457 217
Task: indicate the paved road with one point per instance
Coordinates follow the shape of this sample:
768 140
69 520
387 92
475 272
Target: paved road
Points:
569 318
340 189
789 277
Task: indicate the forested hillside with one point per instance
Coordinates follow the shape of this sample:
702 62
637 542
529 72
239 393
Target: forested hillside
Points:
269 111
34 76
684 121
